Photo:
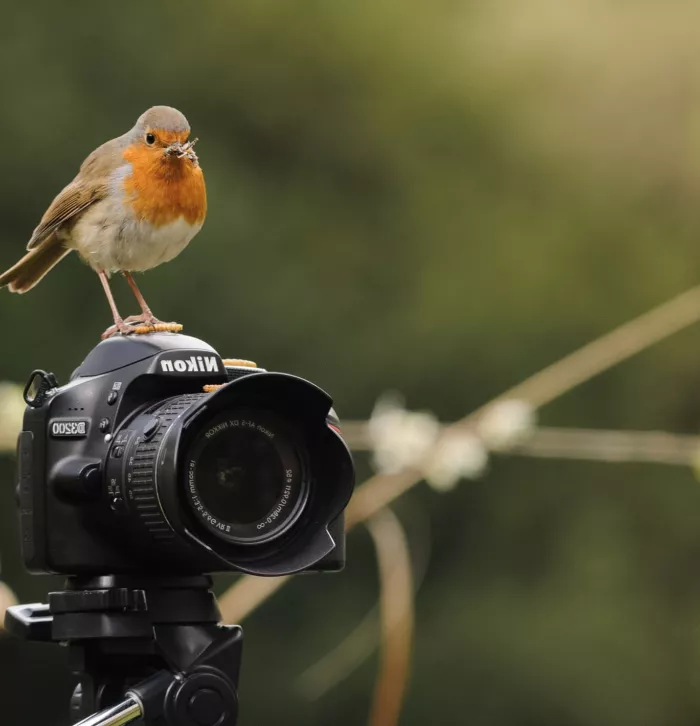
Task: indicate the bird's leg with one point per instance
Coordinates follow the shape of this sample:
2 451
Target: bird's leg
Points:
146 314
119 325
149 320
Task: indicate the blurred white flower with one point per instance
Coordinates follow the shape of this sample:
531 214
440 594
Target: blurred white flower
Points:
402 439
399 438
506 424
458 455
11 414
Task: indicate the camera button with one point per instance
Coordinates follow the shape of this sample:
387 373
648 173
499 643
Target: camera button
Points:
150 429
112 398
91 479
117 452
104 425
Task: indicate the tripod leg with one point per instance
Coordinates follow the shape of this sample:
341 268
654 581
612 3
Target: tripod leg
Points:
122 713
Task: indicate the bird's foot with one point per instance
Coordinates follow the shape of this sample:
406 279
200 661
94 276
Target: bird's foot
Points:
120 326
148 323
144 318
140 325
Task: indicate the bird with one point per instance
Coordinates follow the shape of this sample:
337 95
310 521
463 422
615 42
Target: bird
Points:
136 202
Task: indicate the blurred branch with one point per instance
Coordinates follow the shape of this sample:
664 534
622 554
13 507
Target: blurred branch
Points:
657 447
605 352
243 597
7 598
337 664
544 386
651 447
11 412
347 656
397 618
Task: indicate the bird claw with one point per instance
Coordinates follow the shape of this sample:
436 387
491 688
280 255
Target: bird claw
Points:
128 326
119 327
143 318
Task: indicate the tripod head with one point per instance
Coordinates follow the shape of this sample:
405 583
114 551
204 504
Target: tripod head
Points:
150 649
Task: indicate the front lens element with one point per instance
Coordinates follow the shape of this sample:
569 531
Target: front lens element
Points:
241 476
245 477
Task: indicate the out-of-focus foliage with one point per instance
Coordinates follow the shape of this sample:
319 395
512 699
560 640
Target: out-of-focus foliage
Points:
428 196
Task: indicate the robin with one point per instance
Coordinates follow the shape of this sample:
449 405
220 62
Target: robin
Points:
136 202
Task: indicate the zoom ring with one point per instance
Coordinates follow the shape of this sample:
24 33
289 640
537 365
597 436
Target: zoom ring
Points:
142 470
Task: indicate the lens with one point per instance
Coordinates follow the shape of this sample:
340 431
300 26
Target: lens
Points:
245 477
241 476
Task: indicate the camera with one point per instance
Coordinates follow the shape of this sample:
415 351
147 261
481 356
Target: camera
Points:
160 458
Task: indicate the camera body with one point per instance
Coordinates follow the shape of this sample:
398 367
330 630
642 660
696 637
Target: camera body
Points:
133 467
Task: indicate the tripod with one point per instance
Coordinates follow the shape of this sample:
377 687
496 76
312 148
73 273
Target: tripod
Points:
143 648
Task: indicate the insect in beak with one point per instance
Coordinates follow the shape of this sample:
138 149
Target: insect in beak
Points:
181 151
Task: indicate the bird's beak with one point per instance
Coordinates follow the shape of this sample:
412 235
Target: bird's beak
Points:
175 149
181 151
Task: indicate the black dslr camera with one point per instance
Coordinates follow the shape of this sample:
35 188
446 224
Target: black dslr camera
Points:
158 459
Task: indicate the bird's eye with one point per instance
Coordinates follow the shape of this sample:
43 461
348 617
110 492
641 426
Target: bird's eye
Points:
150 139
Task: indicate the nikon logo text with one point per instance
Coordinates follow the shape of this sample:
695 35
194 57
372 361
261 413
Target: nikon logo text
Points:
193 364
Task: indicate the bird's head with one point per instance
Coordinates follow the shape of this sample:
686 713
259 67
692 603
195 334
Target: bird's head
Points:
163 133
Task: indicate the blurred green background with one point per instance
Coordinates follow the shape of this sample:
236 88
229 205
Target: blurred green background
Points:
437 197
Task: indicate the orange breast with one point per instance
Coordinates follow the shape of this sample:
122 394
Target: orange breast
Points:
160 190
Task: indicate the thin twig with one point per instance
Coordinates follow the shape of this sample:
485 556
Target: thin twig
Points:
397 618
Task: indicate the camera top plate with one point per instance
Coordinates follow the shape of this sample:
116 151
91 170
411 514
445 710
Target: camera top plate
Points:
121 351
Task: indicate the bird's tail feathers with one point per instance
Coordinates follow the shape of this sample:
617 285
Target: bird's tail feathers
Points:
33 266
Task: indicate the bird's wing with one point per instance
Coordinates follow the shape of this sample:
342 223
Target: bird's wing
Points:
88 187
76 197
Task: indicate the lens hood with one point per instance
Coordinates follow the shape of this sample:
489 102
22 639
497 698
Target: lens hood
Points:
327 471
